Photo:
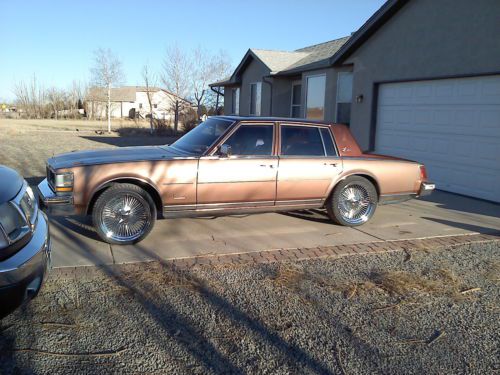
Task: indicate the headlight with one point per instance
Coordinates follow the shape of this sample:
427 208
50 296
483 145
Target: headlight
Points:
29 205
63 182
12 223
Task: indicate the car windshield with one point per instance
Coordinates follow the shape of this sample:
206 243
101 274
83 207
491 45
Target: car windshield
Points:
199 140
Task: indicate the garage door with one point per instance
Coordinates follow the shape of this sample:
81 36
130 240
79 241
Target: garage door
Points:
451 125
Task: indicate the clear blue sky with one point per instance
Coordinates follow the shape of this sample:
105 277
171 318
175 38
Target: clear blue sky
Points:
55 39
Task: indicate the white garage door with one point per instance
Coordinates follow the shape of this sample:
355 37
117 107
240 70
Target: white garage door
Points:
450 125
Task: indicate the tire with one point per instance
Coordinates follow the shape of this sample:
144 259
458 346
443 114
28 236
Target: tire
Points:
352 202
124 214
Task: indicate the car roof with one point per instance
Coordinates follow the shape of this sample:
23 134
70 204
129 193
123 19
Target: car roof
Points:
273 119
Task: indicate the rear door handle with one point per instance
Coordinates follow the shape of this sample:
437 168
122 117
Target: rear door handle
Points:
266 165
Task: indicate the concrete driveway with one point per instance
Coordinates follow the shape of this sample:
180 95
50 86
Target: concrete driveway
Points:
442 214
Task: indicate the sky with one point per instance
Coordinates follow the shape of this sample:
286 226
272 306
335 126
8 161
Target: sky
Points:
55 39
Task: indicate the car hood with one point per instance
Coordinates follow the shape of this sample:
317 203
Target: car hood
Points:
10 184
114 155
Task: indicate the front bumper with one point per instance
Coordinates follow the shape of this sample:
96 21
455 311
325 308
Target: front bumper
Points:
22 275
57 205
426 188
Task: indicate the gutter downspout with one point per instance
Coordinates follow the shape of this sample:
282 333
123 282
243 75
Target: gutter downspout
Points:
271 93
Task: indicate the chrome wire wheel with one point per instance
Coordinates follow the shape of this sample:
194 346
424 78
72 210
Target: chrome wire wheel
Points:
355 205
125 218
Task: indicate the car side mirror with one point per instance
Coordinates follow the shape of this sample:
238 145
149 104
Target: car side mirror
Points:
225 150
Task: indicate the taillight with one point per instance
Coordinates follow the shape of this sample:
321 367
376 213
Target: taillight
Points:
423 173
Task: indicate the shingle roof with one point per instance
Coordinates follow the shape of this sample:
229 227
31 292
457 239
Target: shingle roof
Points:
288 62
318 52
279 60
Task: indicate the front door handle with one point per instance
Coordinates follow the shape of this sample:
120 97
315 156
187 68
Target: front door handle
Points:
266 165
332 164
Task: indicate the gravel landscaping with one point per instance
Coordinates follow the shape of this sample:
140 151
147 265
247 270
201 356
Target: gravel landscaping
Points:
432 312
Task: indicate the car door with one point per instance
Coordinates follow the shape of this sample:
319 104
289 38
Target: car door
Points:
247 178
308 163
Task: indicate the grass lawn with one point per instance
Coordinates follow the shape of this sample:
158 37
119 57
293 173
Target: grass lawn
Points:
25 145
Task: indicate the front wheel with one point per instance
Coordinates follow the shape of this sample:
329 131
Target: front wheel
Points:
124 214
353 202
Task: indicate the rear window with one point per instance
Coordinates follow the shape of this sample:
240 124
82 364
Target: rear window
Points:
301 141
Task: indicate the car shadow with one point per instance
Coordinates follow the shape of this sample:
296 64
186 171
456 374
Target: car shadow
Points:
468 227
457 202
314 215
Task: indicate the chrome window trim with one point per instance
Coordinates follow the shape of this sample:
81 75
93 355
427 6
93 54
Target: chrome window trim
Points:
235 128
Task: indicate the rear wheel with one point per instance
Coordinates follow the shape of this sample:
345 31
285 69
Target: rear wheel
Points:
353 202
124 214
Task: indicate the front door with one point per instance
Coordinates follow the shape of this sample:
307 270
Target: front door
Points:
308 164
247 178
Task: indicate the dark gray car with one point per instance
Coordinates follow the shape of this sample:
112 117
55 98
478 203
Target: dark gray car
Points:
24 242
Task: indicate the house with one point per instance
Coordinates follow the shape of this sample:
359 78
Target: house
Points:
132 102
419 80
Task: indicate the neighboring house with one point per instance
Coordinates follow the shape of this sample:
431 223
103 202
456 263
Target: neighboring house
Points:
419 80
132 102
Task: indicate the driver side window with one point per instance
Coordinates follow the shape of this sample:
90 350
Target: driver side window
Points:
252 140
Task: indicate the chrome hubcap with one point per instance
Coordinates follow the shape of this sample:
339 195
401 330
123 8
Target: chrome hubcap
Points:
124 218
355 204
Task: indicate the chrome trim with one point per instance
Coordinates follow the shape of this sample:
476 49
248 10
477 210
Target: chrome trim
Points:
233 182
300 202
377 159
237 210
426 188
177 183
55 204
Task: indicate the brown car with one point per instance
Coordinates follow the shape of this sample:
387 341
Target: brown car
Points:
229 165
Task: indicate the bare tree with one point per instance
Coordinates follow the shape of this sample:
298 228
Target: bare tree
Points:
56 100
106 72
222 69
176 78
31 97
149 82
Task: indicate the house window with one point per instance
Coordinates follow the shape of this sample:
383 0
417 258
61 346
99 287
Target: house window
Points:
140 105
296 99
155 106
344 98
255 98
235 101
315 97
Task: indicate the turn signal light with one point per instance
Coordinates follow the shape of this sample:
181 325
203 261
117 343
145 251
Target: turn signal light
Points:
64 189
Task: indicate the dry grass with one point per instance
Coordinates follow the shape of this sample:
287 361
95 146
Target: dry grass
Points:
439 282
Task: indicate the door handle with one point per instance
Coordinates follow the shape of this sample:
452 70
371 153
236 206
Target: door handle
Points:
331 164
266 165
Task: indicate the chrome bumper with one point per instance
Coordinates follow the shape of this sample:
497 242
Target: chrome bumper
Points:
57 205
426 188
31 261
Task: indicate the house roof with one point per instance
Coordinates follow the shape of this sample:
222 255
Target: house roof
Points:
122 94
278 60
320 55
118 94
